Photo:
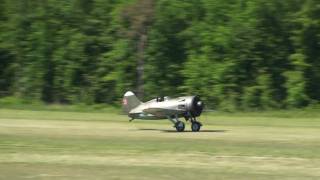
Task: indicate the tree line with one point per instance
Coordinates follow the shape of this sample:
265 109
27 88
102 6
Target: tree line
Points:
235 54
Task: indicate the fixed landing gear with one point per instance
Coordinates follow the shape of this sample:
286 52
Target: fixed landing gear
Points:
179 126
195 126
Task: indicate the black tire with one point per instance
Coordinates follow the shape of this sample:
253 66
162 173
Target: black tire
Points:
195 126
180 126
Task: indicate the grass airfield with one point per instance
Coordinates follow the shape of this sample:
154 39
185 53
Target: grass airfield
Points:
84 145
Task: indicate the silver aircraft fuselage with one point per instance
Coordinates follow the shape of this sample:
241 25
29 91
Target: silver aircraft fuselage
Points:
156 110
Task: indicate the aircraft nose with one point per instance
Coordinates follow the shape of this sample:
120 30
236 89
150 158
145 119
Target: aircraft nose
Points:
197 106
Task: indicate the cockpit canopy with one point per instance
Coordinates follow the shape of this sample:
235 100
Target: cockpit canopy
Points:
162 98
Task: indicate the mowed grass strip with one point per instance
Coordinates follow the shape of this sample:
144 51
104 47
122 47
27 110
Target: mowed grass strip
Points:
39 145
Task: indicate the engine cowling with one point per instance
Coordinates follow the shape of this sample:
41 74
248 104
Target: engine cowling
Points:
196 106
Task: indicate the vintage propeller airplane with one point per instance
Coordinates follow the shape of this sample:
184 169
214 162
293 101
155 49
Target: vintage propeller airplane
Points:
188 107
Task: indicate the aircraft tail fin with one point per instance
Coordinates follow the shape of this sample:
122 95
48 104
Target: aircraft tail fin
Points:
130 101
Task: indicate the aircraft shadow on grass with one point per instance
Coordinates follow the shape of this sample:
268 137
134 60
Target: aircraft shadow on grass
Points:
186 131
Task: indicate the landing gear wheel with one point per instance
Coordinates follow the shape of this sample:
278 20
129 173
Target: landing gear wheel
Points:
179 126
195 126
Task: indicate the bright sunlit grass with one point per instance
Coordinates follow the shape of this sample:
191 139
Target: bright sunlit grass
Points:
83 145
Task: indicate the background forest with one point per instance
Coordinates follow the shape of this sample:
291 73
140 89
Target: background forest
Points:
235 54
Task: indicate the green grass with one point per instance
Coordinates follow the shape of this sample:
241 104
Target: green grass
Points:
83 145
12 102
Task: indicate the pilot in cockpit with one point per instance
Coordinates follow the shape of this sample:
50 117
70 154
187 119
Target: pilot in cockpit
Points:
160 99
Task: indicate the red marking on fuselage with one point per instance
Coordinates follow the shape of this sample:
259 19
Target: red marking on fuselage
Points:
124 102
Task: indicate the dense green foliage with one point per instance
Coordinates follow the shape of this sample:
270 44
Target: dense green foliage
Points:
236 54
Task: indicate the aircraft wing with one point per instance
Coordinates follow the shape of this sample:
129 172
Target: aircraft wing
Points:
161 111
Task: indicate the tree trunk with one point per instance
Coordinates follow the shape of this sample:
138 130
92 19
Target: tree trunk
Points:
140 63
